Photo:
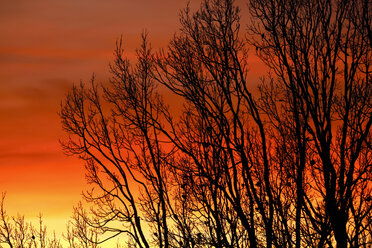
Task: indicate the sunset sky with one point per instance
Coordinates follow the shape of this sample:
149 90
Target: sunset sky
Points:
45 47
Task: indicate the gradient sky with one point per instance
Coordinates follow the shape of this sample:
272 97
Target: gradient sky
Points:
45 47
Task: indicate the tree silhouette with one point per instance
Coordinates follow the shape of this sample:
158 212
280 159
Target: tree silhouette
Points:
289 167
15 232
123 152
320 54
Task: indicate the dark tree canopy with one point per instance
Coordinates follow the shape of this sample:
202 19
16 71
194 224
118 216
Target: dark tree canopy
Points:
290 166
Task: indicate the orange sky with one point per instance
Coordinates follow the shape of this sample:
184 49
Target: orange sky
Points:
45 47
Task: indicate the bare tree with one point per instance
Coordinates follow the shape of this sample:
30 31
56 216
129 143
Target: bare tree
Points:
124 154
15 232
221 132
79 234
320 54
288 168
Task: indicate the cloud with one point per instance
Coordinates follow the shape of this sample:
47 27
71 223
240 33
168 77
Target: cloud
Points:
26 155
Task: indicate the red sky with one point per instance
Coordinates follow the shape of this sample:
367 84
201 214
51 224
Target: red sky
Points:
45 47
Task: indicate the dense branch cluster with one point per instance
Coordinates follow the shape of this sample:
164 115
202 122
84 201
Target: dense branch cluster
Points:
289 167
